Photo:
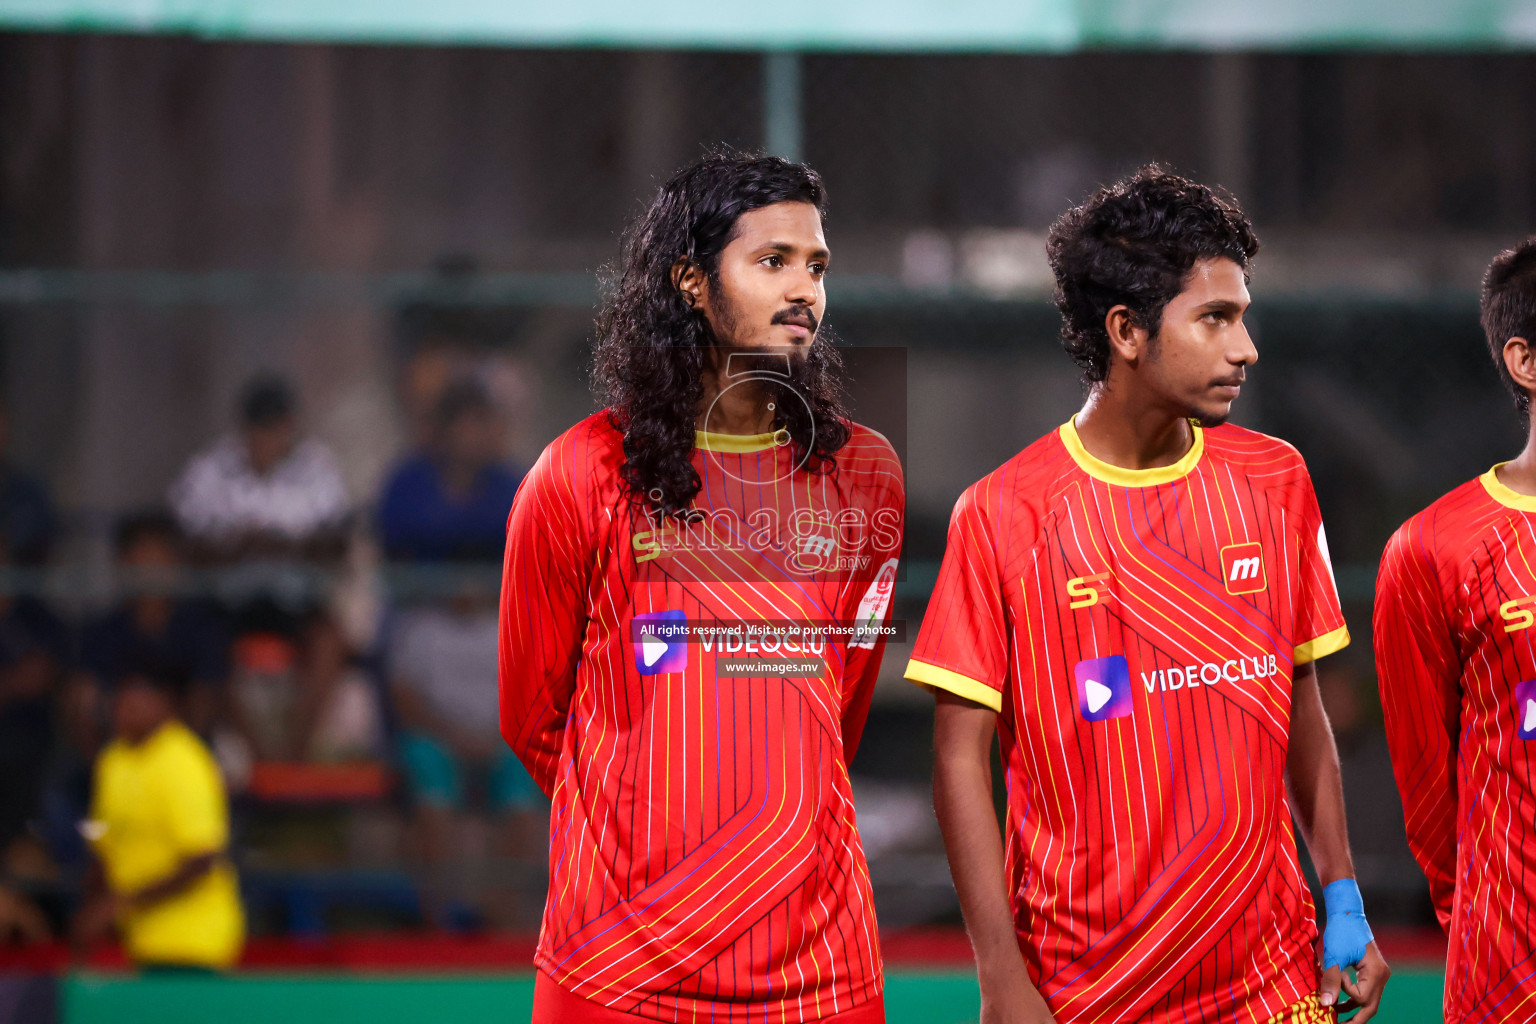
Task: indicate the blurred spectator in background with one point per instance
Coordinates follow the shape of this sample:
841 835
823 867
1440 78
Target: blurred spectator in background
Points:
21 922
26 513
155 618
443 665
335 716
264 492
450 500
1376 831
32 658
306 702
263 503
160 830
1353 716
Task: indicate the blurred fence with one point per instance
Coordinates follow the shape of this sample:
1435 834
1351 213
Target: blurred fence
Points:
177 215
1391 401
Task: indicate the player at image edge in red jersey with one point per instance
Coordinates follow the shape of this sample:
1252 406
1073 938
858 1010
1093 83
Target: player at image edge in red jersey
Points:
1455 602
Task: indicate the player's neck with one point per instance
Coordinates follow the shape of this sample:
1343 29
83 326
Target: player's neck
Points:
1519 474
1117 429
742 409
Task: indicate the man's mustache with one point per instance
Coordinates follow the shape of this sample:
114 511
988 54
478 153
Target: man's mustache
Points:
797 317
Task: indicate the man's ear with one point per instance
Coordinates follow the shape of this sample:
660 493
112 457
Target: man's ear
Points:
689 280
1126 340
1520 361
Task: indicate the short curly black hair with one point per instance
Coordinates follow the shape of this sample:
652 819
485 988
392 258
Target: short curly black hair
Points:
1509 309
1134 244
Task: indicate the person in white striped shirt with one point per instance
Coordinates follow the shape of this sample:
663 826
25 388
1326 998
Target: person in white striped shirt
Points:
263 491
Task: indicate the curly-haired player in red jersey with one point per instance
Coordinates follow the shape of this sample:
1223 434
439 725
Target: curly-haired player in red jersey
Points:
1133 605
1456 663
704 862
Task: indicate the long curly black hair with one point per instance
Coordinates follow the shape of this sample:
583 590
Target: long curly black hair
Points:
1134 243
652 347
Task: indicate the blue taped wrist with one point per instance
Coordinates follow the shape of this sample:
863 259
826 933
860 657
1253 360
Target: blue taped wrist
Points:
1347 934
1343 897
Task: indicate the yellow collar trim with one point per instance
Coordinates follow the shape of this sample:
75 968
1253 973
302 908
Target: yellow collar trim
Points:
1101 470
1503 495
739 443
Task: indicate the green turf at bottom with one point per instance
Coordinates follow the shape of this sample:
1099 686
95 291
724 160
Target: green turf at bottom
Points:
937 997
1412 997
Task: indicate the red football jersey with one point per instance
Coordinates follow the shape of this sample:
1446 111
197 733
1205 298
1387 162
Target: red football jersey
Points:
1455 603
1137 631
704 861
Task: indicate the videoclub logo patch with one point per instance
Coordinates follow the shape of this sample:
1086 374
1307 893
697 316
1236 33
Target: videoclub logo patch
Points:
660 642
1103 688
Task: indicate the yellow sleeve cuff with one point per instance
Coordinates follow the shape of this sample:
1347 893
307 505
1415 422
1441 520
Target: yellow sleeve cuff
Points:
924 674
1322 646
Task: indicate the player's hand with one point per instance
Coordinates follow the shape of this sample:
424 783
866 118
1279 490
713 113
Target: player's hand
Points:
991 1014
1347 942
1371 975
1014 1003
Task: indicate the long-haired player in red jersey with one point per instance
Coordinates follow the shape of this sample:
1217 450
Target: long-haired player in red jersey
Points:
1456 663
1133 605
687 656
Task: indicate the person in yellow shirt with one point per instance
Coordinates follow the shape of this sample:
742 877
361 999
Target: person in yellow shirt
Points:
159 828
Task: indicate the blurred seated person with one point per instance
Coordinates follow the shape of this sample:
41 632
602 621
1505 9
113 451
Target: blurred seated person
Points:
21 922
1378 836
159 828
443 667
307 701
33 644
267 506
263 492
450 501
155 619
26 513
